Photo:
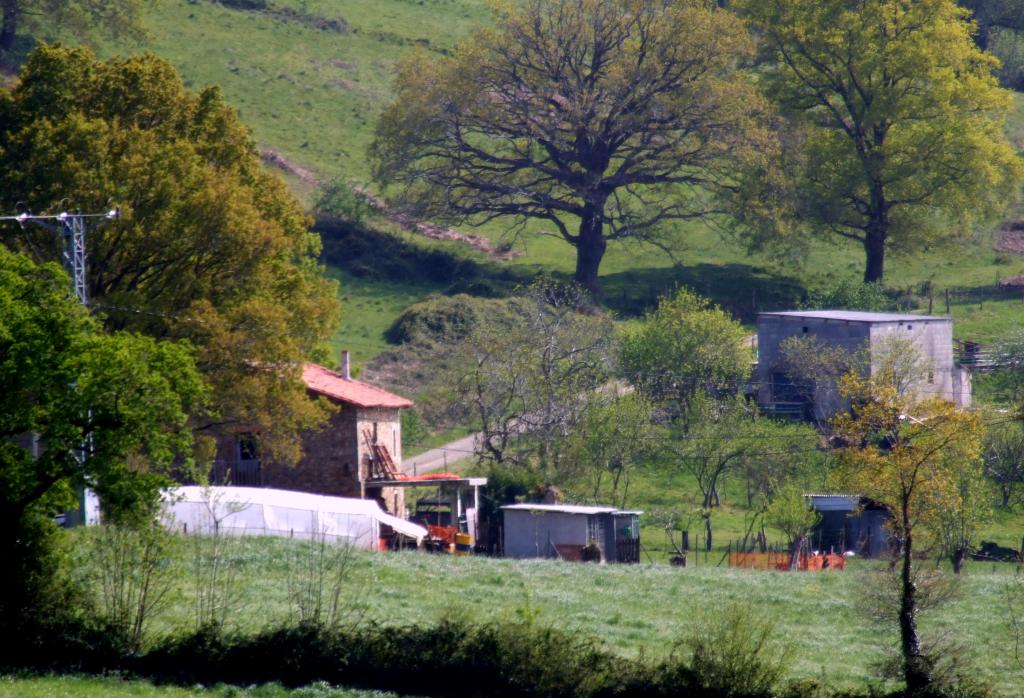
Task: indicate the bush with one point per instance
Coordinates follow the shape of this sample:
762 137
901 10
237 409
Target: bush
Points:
442 319
452 658
340 201
1008 46
851 295
44 606
735 653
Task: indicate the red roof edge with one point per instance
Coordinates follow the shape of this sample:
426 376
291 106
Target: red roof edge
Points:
324 381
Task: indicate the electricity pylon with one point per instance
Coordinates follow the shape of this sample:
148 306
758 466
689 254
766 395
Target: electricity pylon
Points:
72 229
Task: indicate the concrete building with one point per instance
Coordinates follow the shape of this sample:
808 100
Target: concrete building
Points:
562 531
361 442
853 331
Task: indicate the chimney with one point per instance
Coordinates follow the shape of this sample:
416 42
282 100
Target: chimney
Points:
346 366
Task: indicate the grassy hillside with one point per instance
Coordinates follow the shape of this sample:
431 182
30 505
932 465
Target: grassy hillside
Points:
310 76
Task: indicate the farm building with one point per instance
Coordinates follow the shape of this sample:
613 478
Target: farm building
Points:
563 531
852 331
850 523
259 511
362 442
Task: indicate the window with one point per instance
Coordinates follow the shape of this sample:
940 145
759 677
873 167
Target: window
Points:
910 327
931 377
805 330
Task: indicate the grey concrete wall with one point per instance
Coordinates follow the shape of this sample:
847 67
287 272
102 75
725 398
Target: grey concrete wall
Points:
933 339
934 342
531 534
772 330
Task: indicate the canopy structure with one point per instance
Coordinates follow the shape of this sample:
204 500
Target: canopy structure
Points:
258 511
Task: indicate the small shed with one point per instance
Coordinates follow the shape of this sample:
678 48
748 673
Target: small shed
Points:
562 531
850 523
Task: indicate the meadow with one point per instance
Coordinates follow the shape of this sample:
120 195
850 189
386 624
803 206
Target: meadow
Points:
637 611
115 687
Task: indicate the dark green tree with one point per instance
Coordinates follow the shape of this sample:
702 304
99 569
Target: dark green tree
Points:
78 407
210 247
76 18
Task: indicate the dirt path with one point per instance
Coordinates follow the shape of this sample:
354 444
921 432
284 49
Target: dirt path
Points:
439 458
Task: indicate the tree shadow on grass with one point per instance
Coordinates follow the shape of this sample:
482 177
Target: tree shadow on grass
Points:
742 289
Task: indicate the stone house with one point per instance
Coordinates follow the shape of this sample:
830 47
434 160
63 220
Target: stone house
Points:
361 442
853 331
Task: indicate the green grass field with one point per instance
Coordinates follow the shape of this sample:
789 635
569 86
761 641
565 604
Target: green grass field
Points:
633 610
112 687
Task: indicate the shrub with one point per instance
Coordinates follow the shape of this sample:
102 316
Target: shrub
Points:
851 295
441 319
1008 46
734 653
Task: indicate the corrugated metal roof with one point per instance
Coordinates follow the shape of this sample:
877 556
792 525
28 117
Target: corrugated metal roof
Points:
326 382
858 316
834 502
561 508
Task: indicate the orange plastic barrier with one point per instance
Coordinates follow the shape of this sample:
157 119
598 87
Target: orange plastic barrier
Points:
781 561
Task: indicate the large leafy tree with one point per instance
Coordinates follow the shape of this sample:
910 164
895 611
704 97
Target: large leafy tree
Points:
78 407
687 345
919 458
209 248
901 115
603 121
78 18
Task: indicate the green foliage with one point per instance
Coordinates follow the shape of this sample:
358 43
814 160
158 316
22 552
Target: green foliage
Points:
901 118
66 382
527 378
737 652
685 346
447 319
791 513
135 570
1008 46
1004 461
557 116
342 201
80 19
616 436
78 408
209 248
851 294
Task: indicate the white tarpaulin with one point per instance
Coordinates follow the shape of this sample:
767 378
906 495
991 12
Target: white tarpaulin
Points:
258 511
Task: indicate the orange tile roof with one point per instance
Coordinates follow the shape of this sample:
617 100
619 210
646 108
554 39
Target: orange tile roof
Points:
334 385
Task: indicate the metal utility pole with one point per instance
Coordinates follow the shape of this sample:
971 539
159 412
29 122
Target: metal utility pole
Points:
72 229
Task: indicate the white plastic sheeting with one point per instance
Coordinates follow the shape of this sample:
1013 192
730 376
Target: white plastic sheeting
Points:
258 511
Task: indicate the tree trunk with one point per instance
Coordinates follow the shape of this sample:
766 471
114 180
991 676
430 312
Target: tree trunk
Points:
875 236
590 247
915 669
707 530
9 24
958 558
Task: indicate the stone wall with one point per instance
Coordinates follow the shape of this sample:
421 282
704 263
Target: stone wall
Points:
334 459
